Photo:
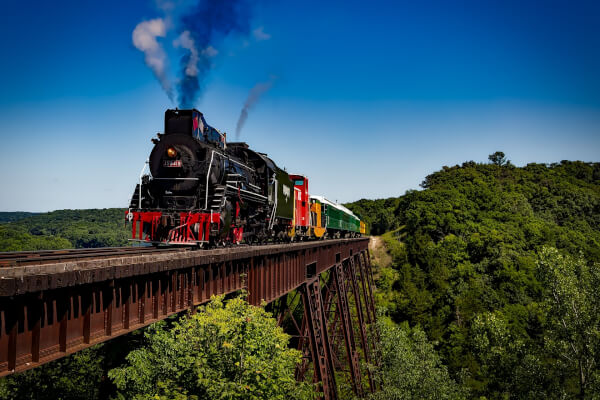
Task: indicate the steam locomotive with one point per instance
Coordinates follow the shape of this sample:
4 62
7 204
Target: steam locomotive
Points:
203 191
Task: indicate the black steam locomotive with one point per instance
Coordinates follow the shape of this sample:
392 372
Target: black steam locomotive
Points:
203 190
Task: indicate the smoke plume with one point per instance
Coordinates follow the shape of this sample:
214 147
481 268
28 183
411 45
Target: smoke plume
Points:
255 93
185 41
144 39
208 22
199 27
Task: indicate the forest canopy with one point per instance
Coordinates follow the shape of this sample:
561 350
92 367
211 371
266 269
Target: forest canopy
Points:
64 229
477 257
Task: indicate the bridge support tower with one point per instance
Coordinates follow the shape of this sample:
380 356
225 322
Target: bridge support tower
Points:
327 316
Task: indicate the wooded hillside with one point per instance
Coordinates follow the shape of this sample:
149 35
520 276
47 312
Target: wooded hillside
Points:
475 265
64 229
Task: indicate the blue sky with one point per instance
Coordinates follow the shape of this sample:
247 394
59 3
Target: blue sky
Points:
370 97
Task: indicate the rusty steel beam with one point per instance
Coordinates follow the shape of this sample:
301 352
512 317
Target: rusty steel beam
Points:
339 322
359 315
343 310
366 279
363 278
53 309
316 325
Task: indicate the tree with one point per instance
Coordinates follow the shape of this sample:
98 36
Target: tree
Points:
498 158
574 311
224 351
509 366
411 368
77 377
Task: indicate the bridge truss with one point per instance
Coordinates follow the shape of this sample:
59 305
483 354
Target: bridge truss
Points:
57 303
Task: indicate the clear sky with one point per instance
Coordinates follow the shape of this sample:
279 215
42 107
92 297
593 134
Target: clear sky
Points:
370 97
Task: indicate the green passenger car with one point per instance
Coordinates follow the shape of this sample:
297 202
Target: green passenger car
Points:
337 218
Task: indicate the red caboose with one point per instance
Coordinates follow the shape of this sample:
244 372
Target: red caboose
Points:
301 205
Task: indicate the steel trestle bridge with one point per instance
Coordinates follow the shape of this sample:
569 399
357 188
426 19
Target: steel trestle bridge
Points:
54 303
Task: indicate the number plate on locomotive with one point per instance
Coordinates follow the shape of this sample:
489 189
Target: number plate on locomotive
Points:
172 163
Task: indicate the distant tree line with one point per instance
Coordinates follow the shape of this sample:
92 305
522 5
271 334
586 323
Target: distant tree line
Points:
12 216
64 229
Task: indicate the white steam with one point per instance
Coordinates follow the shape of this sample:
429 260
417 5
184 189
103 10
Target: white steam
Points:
210 52
186 41
144 39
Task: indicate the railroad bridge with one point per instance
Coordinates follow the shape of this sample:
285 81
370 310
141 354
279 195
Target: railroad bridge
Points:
54 303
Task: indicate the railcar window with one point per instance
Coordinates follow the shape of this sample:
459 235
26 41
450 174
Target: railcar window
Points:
299 182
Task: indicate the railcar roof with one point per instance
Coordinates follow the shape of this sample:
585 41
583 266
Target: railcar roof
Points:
323 200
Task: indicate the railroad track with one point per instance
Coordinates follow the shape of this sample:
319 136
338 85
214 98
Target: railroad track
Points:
20 258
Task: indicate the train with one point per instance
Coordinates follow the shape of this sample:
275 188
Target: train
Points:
197 189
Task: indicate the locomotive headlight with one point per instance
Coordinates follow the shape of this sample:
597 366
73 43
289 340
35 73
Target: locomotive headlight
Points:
171 152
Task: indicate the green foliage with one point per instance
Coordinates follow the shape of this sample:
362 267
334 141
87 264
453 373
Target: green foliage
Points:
495 266
498 158
76 377
573 304
411 368
82 228
465 267
16 239
377 214
509 365
225 351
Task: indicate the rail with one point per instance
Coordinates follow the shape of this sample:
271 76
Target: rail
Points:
19 258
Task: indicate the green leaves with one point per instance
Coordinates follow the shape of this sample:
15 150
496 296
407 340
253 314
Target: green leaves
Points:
573 307
411 368
17 239
468 251
498 158
76 377
224 351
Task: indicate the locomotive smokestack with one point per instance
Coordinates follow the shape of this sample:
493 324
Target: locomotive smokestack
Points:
255 93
